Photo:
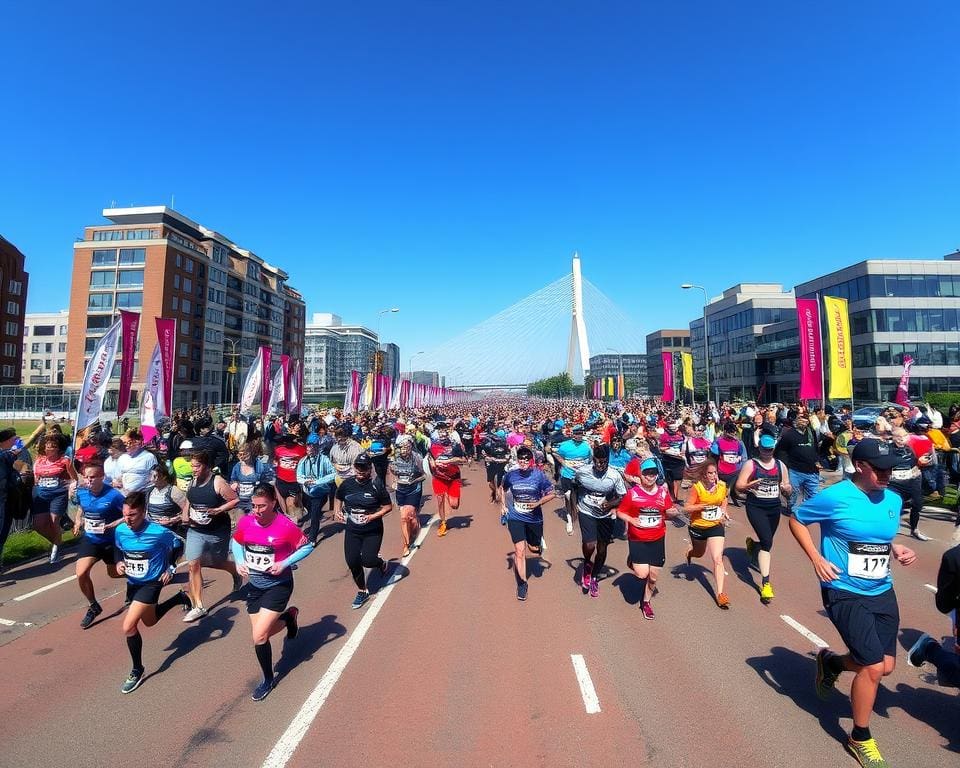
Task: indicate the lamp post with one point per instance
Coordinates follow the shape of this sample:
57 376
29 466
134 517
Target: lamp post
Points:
232 369
412 358
706 339
377 358
619 355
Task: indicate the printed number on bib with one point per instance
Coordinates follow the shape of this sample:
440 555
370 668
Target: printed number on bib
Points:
49 482
711 514
201 516
523 506
767 490
902 474
136 565
868 561
731 458
697 458
649 519
258 557
594 499
94 526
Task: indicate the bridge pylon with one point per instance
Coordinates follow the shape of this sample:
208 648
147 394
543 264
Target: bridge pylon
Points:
578 328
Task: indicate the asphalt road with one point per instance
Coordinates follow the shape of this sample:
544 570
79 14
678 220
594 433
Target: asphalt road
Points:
444 667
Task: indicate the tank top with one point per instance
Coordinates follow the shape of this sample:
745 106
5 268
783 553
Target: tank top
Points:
203 498
160 504
712 515
767 494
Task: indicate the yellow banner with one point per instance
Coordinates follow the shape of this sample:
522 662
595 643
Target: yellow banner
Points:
687 359
837 320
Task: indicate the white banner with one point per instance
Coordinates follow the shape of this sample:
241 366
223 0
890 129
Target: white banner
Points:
152 406
251 384
277 393
97 377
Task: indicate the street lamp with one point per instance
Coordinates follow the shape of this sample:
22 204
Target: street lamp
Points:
706 342
619 355
232 369
412 358
377 365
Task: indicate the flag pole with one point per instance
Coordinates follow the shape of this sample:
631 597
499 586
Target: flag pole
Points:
823 368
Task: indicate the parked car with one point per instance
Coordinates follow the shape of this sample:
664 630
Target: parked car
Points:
866 416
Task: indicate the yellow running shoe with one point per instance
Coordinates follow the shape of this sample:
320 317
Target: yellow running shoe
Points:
766 592
442 530
867 753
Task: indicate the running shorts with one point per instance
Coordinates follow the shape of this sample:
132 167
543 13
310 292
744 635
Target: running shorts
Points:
702 534
144 592
94 549
595 529
868 624
451 488
648 552
532 533
287 490
273 598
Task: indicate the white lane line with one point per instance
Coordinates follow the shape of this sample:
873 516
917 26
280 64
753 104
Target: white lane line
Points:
12 623
590 701
815 639
43 589
284 748
931 588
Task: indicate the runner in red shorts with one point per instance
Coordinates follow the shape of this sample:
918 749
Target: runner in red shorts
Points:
445 459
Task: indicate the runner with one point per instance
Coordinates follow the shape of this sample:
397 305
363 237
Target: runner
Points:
406 466
764 480
599 489
361 502
286 456
696 451
905 480
525 491
149 552
707 508
249 471
444 458
495 453
315 473
344 453
52 473
167 505
858 519
208 538
135 465
99 514
465 430
572 454
671 454
645 509
265 546
730 453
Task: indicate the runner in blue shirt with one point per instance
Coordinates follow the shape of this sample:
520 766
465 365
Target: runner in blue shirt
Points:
525 490
858 520
149 552
101 511
572 454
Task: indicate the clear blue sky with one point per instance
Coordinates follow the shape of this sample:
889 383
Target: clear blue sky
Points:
447 158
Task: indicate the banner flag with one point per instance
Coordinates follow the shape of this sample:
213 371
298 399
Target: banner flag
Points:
96 378
811 352
621 387
285 367
903 390
151 402
686 358
266 379
667 358
841 361
129 325
252 383
294 388
277 394
167 339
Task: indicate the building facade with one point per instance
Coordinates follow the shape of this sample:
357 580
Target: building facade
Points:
226 301
671 340
634 371
391 360
44 347
333 350
14 282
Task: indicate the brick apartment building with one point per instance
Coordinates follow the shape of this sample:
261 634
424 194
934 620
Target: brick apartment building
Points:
13 300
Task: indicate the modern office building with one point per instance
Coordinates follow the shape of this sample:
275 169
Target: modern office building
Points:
735 320
333 350
14 281
44 347
671 340
634 371
391 360
430 378
225 299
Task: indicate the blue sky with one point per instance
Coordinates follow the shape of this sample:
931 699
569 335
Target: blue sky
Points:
447 158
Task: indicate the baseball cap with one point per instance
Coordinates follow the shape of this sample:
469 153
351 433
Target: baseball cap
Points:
577 429
767 441
363 460
6 434
649 464
313 439
186 445
876 453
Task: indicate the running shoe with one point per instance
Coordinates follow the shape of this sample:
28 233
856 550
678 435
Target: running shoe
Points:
919 536
237 582
825 679
543 544
503 518
752 551
360 599
54 554
132 682
263 690
585 576
766 592
594 588
569 527
723 601
867 753
293 628
442 530
522 590
92 612
917 654
405 553
647 610
194 613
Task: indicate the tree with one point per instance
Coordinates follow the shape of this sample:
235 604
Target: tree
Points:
558 386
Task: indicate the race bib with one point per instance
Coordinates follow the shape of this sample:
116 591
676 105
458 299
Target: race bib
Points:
868 561
94 525
523 506
731 458
902 474
48 482
594 499
671 450
245 490
199 515
768 489
711 514
258 557
404 479
649 518
136 564
697 458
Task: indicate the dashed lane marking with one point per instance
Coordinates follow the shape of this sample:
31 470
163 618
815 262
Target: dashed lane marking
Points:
590 701
41 590
813 638
931 588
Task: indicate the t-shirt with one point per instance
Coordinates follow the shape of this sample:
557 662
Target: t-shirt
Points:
450 450
712 515
146 553
50 477
135 470
576 454
526 488
265 545
406 469
262 473
287 456
671 447
856 534
649 509
730 453
362 499
99 511
921 445
696 450
593 490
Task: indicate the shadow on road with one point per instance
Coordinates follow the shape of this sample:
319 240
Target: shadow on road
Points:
631 587
329 530
311 639
740 563
213 626
460 521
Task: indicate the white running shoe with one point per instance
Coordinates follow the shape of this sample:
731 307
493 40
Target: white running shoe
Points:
193 614
569 527
54 554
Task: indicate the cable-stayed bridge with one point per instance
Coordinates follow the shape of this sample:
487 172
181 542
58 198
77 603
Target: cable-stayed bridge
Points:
554 329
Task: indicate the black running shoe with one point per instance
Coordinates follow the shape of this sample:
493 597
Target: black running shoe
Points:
263 690
92 612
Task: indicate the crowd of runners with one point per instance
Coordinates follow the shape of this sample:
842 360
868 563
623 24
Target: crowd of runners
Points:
247 496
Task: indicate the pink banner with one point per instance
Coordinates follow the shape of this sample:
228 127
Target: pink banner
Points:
667 358
294 395
129 325
356 387
903 390
285 367
811 350
266 379
167 339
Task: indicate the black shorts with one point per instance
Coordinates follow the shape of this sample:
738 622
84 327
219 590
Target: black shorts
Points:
273 598
648 552
144 591
673 469
94 549
288 490
702 534
868 624
532 533
595 529
495 472
566 484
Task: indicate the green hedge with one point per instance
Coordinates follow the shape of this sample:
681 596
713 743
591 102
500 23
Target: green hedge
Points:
942 400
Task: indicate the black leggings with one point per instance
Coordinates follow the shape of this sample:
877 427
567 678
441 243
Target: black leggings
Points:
765 521
911 491
361 549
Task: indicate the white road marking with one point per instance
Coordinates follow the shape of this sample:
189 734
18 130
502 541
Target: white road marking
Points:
287 744
12 623
815 639
590 701
43 589
931 588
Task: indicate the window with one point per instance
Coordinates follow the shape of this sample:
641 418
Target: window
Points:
176 282
183 349
43 330
11 328
179 260
253 270
89 344
62 347
8 371
36 365
130 256
142 234
104 258
175 303
103 279
48 348
185 327
108 234
99 322
187 285
63 330
9 349
188 265
214 337
130 277
13 308
185 306
46 364
215 316
130 299
16 287
100 301
182 372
